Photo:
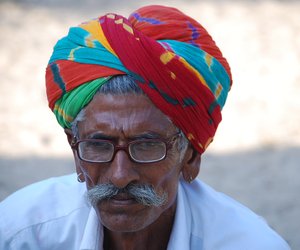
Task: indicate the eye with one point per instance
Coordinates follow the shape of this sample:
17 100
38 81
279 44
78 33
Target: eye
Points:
148 147
98 145
147 151
95 147
96 150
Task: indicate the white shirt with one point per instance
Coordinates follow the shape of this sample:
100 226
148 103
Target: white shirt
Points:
54 214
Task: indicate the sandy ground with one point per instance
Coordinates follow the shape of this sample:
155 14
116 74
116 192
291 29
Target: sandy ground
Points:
255 157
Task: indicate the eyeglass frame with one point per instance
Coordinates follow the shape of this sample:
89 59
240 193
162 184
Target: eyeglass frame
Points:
168 142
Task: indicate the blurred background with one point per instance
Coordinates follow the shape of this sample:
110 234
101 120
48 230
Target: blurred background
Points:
255 157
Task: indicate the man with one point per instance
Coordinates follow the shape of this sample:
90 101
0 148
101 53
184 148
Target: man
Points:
140 100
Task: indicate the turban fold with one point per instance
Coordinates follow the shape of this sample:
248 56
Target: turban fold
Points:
171 57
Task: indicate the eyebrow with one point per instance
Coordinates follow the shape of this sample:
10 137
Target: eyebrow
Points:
101 136
146 135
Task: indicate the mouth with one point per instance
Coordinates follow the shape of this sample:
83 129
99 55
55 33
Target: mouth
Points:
122 199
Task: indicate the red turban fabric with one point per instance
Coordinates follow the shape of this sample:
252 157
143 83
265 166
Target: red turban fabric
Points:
171 57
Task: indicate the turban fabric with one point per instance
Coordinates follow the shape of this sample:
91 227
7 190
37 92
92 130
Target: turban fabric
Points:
171 57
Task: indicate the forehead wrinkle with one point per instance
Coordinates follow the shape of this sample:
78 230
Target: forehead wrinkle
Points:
137 123
130 126
127 115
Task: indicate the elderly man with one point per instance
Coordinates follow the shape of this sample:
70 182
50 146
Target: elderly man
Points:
140 100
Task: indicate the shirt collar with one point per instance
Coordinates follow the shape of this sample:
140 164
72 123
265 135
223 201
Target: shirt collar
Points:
93 233
180 236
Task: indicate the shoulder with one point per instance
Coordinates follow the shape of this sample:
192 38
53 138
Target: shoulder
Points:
46 204
221 221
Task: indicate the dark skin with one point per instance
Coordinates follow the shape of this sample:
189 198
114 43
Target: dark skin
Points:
128 224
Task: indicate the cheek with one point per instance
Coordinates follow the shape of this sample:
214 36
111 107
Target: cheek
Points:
170 168
165 178
95 173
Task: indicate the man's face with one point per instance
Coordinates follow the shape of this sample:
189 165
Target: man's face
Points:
122 119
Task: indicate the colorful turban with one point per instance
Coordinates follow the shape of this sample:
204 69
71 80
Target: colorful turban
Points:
171 57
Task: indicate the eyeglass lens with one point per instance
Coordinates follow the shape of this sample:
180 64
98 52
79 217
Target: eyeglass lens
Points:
140 151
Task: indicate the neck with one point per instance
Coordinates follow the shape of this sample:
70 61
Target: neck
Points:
155 236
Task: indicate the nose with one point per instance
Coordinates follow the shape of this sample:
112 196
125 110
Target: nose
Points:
122 171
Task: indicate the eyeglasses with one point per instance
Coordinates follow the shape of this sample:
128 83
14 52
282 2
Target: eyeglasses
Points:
140 151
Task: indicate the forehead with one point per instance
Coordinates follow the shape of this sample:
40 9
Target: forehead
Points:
126 115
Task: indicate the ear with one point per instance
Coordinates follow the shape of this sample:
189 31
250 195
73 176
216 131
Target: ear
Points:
70 138
191 164
69 134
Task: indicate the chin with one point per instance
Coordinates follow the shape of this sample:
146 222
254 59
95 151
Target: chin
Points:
125 220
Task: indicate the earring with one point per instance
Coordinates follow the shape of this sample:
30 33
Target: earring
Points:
78 178
189 178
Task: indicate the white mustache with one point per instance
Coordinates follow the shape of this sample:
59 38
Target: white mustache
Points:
144 194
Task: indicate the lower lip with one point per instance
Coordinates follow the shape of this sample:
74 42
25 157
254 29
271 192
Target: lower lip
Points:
125 202
114 206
